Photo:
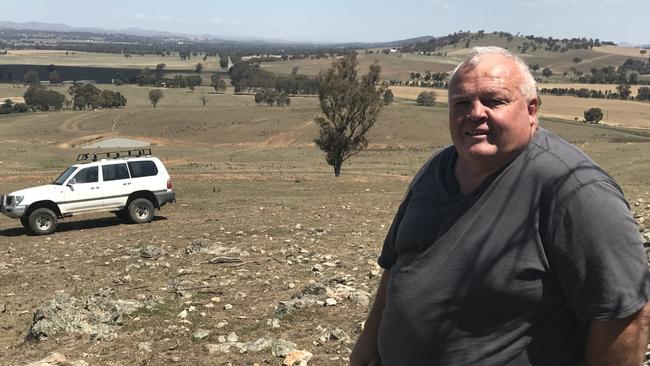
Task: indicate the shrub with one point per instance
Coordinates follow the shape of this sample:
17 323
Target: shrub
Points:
593 115
426 99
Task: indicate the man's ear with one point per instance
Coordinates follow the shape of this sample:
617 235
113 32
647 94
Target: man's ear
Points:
533 107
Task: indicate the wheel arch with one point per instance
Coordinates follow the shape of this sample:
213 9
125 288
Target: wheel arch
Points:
43 204
143 194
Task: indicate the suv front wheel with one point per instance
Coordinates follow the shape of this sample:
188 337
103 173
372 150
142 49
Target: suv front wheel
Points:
140 210
42 221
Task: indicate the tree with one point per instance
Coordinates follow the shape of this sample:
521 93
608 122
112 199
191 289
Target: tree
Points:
426 99
218 84
31 78
388 97
547 72
623 91
204 99
593 115
155 95
198 68
193 81
54 77
223 61
577 60
350 105
39 98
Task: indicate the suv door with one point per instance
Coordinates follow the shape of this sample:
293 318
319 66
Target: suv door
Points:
82 191
116 185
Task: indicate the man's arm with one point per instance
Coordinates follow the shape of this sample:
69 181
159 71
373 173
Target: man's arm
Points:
619 342
366 352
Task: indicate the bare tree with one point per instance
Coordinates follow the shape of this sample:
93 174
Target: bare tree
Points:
204 99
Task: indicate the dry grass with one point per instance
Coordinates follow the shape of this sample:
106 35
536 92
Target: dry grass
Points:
59 58
617 112
246 178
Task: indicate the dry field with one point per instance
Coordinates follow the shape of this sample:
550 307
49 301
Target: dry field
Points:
252 188
617 112
59 58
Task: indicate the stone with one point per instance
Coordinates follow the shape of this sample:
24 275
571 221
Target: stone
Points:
144 346
151 251
52 359
317 267
200 334
297 358
232 337
3 308
218 348
94 316
330 301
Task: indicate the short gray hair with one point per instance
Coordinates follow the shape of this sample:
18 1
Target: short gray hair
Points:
528 86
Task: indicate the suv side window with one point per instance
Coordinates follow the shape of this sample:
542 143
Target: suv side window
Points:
115 172
87 175
144 168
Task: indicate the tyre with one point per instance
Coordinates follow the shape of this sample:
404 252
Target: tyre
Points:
140 210
124 216
42 221
25 222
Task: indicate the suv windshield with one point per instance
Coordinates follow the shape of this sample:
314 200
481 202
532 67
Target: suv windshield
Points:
61 179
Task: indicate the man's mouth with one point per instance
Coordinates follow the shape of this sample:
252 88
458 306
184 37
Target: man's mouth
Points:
477 133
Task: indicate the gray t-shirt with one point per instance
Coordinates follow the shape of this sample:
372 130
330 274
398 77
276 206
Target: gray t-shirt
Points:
512 273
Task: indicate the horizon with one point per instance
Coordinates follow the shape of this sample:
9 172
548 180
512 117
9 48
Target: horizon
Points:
361 21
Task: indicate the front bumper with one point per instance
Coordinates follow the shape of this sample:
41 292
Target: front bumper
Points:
14 211
165 197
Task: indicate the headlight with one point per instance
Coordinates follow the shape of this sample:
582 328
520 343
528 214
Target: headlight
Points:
18 199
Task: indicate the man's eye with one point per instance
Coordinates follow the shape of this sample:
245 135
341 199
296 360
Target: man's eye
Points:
461 103
493 102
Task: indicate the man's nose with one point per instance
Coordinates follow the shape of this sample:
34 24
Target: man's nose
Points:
477 111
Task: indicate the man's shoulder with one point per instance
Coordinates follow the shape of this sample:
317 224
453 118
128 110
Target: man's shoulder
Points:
555 158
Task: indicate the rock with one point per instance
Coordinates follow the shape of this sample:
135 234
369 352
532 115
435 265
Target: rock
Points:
297 358
282 348
317 268
200 334
151 251
95 316
232 337
218 348
144 346
78 363
52 359
257 345
182 314
3 308
330 301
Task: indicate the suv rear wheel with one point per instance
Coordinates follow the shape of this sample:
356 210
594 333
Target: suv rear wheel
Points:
140 210
42 221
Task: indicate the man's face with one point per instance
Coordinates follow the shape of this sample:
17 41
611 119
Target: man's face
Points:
489 118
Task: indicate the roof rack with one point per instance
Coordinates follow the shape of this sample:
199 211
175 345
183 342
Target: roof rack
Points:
113 154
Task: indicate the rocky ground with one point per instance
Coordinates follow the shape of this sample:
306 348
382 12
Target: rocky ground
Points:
252 269
221 280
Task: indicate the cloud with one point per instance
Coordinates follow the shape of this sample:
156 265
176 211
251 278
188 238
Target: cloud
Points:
141 16
216 20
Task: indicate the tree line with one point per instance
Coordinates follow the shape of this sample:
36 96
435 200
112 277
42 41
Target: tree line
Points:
246 77
623 92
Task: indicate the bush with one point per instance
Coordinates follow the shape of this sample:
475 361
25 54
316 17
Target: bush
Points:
426 99
593 115
388 97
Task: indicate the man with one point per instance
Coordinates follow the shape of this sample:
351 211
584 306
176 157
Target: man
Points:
511 247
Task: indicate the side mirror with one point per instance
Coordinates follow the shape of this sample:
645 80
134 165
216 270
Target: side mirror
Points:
71 182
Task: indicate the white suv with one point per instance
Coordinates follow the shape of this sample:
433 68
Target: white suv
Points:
129 183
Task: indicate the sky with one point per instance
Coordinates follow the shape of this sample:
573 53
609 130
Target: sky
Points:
349 20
